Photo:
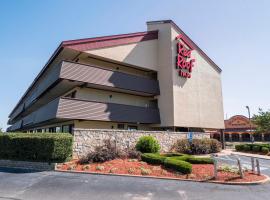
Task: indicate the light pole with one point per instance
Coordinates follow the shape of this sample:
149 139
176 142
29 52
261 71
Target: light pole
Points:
251 136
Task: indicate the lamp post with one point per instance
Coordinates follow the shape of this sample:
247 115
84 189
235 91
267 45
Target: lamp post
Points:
251 136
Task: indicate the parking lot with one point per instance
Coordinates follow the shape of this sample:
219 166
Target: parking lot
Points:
29 185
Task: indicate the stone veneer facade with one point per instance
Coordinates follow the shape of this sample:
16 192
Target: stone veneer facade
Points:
85 140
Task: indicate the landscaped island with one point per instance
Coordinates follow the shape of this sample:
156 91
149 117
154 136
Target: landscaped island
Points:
145 160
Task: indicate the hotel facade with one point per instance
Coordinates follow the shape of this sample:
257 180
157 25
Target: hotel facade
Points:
153 80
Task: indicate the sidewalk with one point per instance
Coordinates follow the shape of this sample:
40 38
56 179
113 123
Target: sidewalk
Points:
226 152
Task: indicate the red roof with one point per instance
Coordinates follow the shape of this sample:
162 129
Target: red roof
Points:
109 41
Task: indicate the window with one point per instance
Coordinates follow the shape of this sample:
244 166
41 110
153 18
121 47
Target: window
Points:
58 129
132 128
67 128
120 126
52 130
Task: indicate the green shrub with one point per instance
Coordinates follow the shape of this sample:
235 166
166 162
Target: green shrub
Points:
246 147
194 160
239 147
265 150
256 148
44 147
148 144
153 158
197 146
215 146
172 154
178 165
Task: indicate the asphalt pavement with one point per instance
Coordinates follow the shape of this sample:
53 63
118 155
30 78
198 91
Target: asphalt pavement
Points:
30 185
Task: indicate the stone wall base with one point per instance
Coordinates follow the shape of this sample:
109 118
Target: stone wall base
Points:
85 140
38 166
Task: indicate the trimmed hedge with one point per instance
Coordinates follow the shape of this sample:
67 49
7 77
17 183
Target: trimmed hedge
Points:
178 165
179 162
194 160
147 144
265 150
256 148
43 147
153 158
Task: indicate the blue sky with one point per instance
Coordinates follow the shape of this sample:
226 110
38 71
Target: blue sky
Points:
234 33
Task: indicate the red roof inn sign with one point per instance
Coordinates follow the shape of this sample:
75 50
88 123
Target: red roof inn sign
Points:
184 63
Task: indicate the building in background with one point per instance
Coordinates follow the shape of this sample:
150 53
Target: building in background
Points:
239 129
153 80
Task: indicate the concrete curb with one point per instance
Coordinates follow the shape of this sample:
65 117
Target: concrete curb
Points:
266 180
251 155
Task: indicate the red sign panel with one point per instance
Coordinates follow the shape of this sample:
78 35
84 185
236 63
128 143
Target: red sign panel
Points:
184 63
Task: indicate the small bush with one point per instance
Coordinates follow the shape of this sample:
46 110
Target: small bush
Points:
145 171
100 168
182 146
133 154
265 150
256 148
103 153
153 158
197 146
147 144
239 147
178 165
246 147
43 147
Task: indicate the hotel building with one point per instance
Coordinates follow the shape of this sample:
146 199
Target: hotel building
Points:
153 80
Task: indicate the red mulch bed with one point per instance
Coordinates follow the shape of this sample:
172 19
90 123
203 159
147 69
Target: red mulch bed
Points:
200 172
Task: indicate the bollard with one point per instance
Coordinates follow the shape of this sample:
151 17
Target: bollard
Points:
258 166
215 168
253 164
240 168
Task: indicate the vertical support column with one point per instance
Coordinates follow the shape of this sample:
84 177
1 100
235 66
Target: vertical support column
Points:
222 138
230 137
262 137
240 137
250 135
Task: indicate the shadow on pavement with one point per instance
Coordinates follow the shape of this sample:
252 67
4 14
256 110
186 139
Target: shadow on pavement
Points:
18 170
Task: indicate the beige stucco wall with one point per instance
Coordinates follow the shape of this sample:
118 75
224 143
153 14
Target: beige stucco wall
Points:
164 65
198 101
142 54
104 96
194 102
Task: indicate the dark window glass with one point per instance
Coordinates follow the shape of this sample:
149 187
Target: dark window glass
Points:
120 126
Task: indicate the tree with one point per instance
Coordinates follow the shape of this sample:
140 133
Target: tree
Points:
1 130
262 121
